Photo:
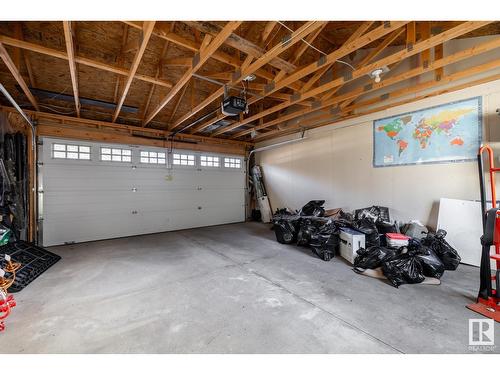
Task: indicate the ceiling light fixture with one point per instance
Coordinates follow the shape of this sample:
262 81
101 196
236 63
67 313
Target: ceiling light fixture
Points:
378 72
250 78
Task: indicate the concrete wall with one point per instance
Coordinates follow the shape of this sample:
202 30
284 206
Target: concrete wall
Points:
335 163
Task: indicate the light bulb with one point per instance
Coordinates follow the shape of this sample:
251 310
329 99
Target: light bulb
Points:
377 78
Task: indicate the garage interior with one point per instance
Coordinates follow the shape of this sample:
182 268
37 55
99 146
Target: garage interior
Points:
157 174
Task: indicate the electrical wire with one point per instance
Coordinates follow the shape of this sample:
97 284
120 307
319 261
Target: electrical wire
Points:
229 86
315 48
50 108
291 38
170 154
305 41
272 49
60 93
346 63
272 38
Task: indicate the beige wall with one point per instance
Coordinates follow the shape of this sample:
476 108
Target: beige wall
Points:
335 163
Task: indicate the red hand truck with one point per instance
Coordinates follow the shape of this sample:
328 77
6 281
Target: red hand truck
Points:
488 300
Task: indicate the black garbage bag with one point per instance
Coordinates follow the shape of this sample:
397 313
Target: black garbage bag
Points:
415 229
324 245
432 266
325 241
284 211
285 231
384 227
313 208
343 223
373 213
448 255
346 217
306 230
404 269
369 229
373 257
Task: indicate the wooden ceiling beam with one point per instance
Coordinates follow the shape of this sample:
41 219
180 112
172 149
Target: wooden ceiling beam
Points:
129 129
119 60
387 81
306 29
29 68
208 48
266 38
80 60
425 33
17 51
23 56
4 55
266 33
241 44
466 73
190 45
146 34
194 46
275 51
438 54
311 68
368 58
304 46
176 106
284 97
70 49
246 69
206 102
152 89
178 61
313 123
355 35
217 94
451 59
158 73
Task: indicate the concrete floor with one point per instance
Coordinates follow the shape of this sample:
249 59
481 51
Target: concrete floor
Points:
230 289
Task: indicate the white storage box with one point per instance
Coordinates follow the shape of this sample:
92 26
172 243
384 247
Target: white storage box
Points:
350 242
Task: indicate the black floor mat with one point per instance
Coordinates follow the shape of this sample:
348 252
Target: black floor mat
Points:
34 261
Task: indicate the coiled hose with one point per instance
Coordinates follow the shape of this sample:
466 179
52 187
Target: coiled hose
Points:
11 268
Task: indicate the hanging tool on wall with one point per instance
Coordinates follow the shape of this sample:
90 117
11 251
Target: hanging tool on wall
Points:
488 300
261 195
23 166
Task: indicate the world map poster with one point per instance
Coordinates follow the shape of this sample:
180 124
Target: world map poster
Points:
445 133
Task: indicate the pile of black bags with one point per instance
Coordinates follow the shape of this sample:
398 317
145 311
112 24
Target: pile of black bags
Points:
309 228
428 257
427 254
374 222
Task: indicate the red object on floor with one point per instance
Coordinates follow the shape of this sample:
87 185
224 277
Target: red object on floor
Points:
6 304
481 307
488 300
397 236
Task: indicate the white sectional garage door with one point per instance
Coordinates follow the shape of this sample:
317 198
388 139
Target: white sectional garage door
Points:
94 191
